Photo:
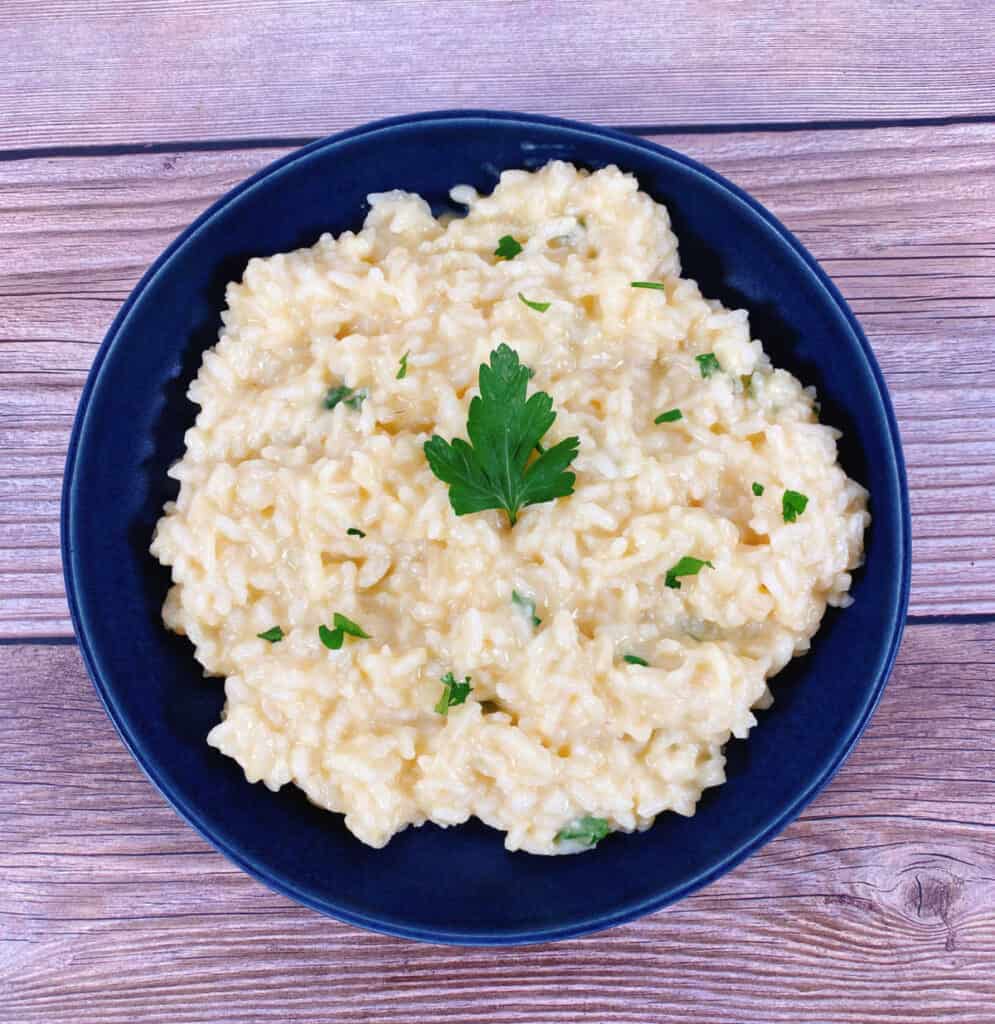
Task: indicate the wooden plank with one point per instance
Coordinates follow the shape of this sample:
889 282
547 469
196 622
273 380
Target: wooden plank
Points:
128 72
877 906
904 218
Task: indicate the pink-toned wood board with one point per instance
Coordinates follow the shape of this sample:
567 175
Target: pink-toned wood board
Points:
877 906
869 128
147 72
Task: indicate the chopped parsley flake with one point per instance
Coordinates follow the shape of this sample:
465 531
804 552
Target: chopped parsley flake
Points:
528 606
453 693
274 635
350 627
539 307
792 505
707 363
687 566
655 285
757 489
587 830
671 416
634 659
508 248
331 638
334 638
494 470
354 532
342 393
402 369
335 395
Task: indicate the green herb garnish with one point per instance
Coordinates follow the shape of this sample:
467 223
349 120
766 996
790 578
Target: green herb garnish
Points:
707 363
671 416
402 370
493 470
350 627
354 399
353 532
687 566
453 693
757 489
335 395
334 638
634 659
507 248
590 831
528 606
792 505
655 285
331 638
274 635
539 307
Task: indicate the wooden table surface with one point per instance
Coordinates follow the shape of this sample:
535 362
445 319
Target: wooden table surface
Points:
869 129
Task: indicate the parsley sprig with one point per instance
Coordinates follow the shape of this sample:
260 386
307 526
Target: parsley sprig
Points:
494 470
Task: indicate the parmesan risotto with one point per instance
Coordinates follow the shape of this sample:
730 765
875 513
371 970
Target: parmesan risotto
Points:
572 674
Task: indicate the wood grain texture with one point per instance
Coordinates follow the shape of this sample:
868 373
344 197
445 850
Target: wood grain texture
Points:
903 218
877 906
139 71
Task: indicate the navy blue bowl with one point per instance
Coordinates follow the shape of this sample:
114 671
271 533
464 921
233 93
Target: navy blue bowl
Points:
130 426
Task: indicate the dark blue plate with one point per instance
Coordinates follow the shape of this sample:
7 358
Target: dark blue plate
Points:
459 885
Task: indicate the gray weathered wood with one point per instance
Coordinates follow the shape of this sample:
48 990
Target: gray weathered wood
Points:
904 219
130 72
877 906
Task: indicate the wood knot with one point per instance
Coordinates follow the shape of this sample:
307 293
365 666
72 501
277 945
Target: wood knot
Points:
931 897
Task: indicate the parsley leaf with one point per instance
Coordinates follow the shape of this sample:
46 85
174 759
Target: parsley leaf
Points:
757 489
493 470
350 627
402 369
539 307
354 399
669 417
353 532
687 566
334 638
587 830
707 363
655 285
331 638
273 635
528 606
507 248
634 659
792 505
453 693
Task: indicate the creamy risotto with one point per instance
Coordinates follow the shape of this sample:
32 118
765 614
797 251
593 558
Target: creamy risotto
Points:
573 674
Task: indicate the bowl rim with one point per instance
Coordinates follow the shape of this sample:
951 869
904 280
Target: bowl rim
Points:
394 924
